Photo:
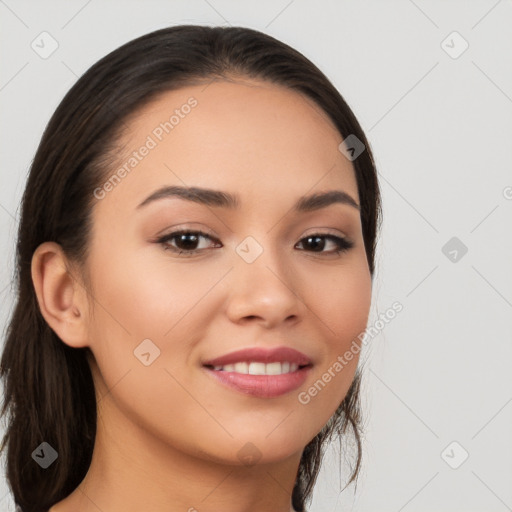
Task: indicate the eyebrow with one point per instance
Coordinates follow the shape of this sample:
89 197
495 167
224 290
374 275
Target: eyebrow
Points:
217 198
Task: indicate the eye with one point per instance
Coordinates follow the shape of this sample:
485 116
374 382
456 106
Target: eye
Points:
188 242
318 243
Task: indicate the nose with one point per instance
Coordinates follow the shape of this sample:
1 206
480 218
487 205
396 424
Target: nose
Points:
263 292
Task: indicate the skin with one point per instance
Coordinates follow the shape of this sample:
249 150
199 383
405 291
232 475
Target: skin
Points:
168 435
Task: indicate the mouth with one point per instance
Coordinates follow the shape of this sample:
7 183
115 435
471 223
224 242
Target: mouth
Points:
254 357
259 384
259 368
262 373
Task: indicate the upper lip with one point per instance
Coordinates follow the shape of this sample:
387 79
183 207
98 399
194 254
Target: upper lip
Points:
261 355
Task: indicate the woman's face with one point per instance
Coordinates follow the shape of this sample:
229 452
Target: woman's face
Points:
260 278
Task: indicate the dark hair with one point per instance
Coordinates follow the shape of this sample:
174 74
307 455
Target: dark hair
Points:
48 387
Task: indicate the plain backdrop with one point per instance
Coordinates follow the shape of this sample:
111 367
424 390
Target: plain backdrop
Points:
431 84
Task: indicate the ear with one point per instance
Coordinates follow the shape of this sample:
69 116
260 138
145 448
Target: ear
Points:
62 299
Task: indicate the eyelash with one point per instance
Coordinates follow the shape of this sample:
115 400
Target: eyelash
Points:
343 244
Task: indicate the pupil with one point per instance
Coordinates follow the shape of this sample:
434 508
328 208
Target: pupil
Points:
190 241
316 244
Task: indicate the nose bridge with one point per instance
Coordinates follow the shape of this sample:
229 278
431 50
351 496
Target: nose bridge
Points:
263 282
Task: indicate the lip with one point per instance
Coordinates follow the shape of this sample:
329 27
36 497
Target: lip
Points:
261 355
262 386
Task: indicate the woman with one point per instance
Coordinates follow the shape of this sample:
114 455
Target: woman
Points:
195 260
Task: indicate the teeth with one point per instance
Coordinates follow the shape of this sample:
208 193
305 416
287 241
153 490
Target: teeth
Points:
272 369
241 367
255 368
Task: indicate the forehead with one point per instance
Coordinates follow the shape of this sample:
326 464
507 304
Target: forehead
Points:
247 136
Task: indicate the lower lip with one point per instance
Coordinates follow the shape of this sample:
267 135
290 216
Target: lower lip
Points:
263 386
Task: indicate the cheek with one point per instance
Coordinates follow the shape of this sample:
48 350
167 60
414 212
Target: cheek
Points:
154 304
160 301
147 297
341 300
342 306
351 316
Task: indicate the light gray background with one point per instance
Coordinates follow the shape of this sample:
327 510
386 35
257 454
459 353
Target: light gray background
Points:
441 131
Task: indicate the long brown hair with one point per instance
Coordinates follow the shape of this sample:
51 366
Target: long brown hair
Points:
48 388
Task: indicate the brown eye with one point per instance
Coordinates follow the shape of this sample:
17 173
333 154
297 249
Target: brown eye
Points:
185 242
188 242
317 243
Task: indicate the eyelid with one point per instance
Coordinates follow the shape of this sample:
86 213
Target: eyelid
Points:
324 232
207 231
342 242
185 227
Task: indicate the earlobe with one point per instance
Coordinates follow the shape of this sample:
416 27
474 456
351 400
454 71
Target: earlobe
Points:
62 300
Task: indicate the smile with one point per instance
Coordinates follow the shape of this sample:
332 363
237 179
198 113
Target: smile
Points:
237 377
257 368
